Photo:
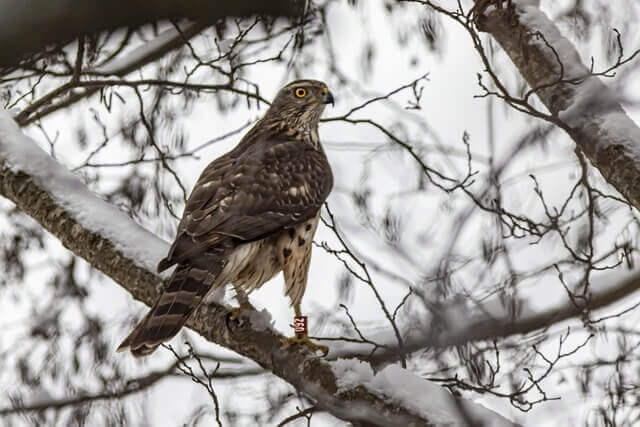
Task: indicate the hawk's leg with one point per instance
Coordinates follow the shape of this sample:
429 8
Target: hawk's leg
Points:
303 339
243 300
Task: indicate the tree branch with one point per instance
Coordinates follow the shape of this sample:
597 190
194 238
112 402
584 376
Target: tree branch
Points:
585 107
124 251
132 386
135 385
592 116
460 322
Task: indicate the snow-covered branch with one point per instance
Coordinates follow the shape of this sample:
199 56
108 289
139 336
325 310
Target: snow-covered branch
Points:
420 396
585 107
166 41
113 243
461 321
120 66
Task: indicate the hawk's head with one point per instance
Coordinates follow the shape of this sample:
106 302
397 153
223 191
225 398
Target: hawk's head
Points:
301 103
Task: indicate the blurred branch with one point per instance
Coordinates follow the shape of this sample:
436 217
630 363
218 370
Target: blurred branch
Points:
133 385
28 27
459 322
165 42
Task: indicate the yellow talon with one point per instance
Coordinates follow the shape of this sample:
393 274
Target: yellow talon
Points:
236 311
304 340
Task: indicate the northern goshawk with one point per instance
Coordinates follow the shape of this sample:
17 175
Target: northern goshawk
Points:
252 213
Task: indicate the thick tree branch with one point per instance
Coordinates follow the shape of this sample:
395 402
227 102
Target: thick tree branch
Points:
584 106
114 244
29 26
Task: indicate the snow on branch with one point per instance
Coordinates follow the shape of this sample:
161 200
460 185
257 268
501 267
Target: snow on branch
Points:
28 29
575 95
166 41
421 396
113 243
22 154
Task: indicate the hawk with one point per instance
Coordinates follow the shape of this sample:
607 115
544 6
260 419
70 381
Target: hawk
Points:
252 213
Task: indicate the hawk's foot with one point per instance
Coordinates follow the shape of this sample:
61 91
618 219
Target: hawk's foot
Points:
235 312
304 340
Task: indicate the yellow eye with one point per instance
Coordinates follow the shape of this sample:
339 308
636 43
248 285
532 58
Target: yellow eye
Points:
301 92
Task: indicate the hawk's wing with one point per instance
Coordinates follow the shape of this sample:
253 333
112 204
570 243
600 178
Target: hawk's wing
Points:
268 187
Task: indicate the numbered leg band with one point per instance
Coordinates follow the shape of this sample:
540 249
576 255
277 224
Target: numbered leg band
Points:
300 325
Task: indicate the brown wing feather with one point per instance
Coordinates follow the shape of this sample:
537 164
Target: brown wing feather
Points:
206 195
268 186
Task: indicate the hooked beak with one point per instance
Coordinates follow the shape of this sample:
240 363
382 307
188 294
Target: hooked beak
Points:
327 98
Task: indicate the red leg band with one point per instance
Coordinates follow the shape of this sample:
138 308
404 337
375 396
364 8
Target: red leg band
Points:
300 325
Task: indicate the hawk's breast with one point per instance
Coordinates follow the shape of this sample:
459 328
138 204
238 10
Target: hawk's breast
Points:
252 264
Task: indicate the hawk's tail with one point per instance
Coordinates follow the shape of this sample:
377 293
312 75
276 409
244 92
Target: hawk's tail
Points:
186 289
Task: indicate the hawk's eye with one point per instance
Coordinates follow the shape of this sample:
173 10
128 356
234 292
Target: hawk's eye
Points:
301 92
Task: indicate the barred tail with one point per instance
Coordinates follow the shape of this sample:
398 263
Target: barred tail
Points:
186 289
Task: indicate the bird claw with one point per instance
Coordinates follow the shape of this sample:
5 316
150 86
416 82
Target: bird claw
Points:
304 340
234 313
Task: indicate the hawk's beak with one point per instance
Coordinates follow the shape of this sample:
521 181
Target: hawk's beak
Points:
327 98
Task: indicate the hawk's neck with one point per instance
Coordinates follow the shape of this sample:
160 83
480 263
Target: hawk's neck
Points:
280 129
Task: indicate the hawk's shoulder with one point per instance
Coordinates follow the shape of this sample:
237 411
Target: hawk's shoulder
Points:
251 192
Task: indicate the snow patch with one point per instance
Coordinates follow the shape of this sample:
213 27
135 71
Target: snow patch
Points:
424 398
350 373
22 154
261 320
125 62
532 17
215 295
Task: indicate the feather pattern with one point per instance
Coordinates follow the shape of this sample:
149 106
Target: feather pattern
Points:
252 213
